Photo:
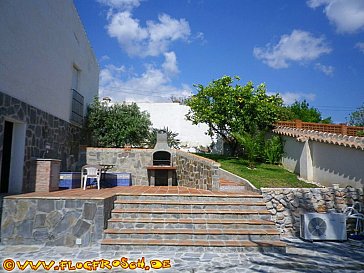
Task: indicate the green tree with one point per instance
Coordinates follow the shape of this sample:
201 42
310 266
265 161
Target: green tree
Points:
356 118
117 125
303 111
228 108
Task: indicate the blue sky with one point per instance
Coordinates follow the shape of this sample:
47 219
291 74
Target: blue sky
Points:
150 50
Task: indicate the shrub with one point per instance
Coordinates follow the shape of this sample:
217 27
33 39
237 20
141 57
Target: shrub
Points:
273 150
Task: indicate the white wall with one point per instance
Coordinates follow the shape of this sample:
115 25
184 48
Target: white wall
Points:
172 115
41 41
327 164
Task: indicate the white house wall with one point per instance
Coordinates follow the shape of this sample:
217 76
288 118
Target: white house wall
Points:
172 115
328 163
41 41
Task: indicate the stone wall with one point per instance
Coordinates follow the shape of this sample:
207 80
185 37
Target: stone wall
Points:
196 172
54 221
287 204
134 161
192 170
41 128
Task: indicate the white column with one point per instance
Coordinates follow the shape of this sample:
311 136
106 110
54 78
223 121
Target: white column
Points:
306 168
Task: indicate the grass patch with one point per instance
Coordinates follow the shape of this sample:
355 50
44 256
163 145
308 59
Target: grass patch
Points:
263 176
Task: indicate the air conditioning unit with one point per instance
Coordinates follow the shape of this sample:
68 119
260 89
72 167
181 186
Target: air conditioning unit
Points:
327 226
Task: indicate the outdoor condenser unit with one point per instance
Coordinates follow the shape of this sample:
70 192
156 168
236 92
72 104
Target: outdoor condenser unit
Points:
328 226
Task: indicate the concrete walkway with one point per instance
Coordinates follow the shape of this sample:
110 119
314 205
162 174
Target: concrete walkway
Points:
300 257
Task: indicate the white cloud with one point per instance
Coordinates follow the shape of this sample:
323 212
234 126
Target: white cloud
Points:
328 70
316 3
121 4
346 15
104 58
360 46
170 64
291 97
299 46
153 85
152 40
128 32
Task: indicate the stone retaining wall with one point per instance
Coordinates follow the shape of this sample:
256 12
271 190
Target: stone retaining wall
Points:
54 221
196 172
287 204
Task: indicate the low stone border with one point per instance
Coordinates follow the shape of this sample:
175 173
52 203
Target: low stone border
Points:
287 204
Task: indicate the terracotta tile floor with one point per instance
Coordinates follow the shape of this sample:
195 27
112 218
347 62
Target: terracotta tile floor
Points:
93 193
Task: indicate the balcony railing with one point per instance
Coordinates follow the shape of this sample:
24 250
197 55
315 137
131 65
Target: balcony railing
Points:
77 108
341 129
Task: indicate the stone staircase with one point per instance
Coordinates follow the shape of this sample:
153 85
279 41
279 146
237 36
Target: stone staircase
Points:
224 223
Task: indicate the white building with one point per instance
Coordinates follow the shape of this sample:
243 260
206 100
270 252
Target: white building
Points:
48 75
173 116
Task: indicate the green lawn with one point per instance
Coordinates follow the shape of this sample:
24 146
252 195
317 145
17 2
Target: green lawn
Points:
264 176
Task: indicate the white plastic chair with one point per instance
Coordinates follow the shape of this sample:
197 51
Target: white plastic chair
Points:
90 171
355 212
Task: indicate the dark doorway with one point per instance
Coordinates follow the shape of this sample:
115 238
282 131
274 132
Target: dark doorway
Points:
5 165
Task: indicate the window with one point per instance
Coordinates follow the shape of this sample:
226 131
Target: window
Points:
77 99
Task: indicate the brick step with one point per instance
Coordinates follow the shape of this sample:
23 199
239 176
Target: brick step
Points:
231 188
228 197
192 213
192 234
189 204
148 223
194 245
255 223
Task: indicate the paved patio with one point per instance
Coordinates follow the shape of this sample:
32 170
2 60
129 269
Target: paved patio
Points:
300 257
93 193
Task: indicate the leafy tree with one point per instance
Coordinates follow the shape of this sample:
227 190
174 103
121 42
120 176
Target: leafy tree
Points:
303 111
172 139
356 118
228 108
117 125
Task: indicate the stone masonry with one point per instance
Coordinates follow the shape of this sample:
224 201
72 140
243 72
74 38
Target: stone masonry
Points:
197 172
41 128
287 204
192 170
54 222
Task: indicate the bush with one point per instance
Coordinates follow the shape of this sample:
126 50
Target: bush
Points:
273 150
117 125
252 145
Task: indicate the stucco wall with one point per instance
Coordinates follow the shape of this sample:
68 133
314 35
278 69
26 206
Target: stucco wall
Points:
324 163
172 115
41 42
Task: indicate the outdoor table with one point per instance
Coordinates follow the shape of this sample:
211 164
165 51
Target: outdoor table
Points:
105 168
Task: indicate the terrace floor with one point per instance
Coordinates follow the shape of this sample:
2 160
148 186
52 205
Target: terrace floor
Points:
93 193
